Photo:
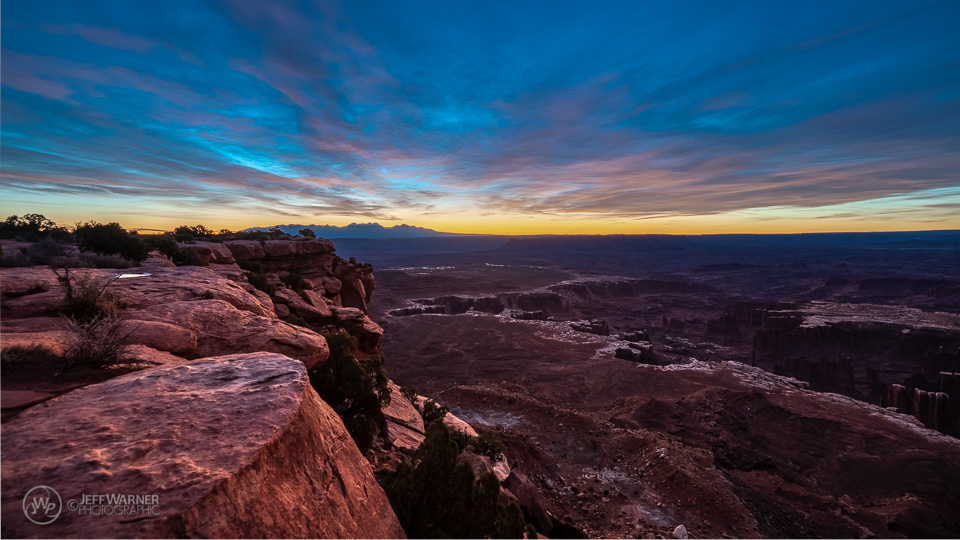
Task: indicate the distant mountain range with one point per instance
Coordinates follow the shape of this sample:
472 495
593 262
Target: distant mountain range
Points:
362 230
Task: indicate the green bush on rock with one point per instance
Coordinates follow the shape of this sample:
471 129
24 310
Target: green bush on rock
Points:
435 495
355 389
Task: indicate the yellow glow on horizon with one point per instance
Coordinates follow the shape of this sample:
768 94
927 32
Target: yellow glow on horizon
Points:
854 217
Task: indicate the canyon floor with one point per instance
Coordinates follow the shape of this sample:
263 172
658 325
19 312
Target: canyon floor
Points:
716 429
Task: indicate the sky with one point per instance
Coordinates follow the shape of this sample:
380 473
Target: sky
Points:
484 117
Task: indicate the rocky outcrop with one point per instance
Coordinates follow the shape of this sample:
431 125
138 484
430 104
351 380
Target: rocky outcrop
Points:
403 425
282 464
360 326
936 410
859 350
208 252
593 326
345 283
555 299
641 352
222 328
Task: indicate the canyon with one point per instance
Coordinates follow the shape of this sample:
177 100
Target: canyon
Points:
736 387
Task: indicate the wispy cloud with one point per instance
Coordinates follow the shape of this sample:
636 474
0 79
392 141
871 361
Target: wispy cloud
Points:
391 111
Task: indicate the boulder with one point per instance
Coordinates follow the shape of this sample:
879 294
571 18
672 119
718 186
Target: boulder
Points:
457 424
222 328
161 336
230 447
332 285
246 250
280 249
209 252
55 341
403 425
316 300
300 306
360 326
529 497
482 464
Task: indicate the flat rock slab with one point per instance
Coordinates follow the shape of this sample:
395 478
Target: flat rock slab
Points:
235 446
403 424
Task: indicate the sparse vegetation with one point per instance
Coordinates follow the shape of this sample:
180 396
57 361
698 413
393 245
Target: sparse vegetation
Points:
96 343
259 281
295 319
195 231
166 244
488 443
355 388
110 239
410 392
307 233
86 297
435 495
31 227
295 281
432 412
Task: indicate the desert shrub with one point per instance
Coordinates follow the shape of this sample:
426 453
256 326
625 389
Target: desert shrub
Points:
307 233
87 297
110 239
356 389
435 495
48 250
31 227
96 343
487 443
166 244
410 392
432 412
295 319
195 231
272 234
105 261
259 281
17 259
186 258
294 281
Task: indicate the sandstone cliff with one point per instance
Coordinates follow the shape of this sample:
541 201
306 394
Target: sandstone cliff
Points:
235 446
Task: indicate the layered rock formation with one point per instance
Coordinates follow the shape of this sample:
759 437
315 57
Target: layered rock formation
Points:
345 283
232 447
552 300
859 349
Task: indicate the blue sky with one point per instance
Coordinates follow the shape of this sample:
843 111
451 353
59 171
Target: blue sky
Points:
485 116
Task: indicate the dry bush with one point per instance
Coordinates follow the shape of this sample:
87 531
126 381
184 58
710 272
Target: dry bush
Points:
87 297
97 343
